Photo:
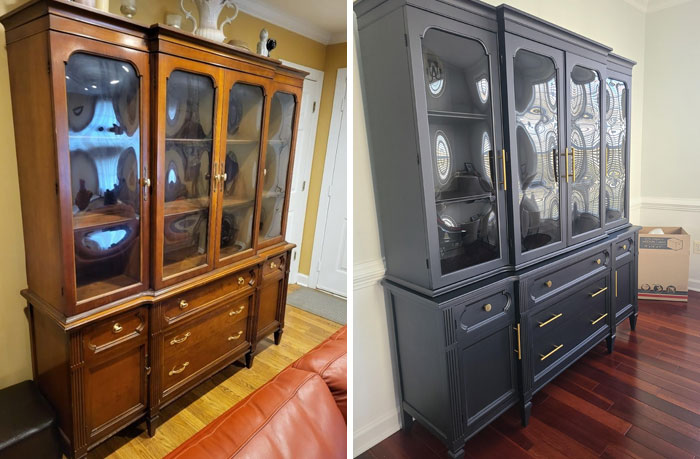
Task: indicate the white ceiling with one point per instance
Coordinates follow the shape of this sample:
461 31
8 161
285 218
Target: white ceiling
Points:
320 20
652 6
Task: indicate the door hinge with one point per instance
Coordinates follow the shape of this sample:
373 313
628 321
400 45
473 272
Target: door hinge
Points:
313 109
303 185
148 371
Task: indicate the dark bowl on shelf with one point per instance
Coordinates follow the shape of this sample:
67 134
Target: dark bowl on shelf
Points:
534 241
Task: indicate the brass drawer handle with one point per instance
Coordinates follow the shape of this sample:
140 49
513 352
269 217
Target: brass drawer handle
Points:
548 284
615 284
487 307
551 319
518 350
593 322
240 310
598 261
542 357
236 336
503 159
241 281
177 340
117 328
179 370
593 295
273 265
183 304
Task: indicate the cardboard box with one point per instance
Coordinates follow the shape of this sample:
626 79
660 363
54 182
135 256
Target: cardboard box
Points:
664 262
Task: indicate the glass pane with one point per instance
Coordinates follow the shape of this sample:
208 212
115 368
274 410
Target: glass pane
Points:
616 149
102 96
189 117
279 143
537 143
245 107
458 90
584 109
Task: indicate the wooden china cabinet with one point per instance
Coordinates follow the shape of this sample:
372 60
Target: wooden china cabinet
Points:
499 145
154 174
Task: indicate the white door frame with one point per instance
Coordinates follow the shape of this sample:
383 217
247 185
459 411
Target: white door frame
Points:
303 159
333 133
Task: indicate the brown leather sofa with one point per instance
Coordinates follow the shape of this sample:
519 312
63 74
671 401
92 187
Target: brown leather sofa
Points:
301 412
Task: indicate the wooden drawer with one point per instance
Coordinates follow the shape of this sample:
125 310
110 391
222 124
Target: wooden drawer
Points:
194 345
560 277
183 305
274 265
114 331
587 314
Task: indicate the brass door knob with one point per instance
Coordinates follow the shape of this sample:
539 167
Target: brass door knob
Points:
624 247
183 304
487 307
116 328
598 261
241 280
273 265
548 284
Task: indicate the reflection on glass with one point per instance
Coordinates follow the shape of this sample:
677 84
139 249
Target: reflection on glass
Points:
240 169
279 143
616 141
537 141
188 154
584 109
102 96
461 133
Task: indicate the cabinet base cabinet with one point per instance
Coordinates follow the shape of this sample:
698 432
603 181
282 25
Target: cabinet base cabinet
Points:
467 356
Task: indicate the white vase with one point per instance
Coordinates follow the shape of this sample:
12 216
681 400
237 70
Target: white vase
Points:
209 11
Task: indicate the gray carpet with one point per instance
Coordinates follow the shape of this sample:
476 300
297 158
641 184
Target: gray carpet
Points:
319 303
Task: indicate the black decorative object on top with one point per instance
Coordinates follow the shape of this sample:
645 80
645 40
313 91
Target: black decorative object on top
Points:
502 188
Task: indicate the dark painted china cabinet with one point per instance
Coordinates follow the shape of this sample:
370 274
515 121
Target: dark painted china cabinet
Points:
500 152
154 172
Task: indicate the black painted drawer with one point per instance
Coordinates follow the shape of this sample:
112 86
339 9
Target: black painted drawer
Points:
558 278
478 317
586 315
623 246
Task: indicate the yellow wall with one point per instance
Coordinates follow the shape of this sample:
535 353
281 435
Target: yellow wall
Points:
336 58
15 362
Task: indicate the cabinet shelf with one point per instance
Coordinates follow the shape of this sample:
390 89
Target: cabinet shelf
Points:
447 197
242 141
457 115
236 203
183 140
185 206
105 216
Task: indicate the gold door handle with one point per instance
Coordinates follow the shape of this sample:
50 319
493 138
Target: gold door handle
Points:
116 328
487 307
183 304
517 330
598 261
542 357
593 322
240 310
593 295
217 177
180 340
241 280
273 265
503 160
146 182
548 284
566 163
236 336
179 370
551 319
573 165
615 284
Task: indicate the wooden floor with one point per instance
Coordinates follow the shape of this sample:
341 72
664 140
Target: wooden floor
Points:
184 417
641 401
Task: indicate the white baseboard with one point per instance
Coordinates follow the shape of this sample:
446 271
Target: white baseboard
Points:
303 279
694 285
380 428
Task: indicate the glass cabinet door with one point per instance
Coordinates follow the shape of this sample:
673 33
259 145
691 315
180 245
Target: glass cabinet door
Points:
238 169
189 142
278 150
534 101
104 138
457 85
616 150
583 159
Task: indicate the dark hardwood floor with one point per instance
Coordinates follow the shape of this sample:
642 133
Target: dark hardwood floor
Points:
642 401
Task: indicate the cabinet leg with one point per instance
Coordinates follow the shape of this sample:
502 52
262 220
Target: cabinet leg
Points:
278 336
525 410
249 359
407 422
456 452
610 341
152 425
633 321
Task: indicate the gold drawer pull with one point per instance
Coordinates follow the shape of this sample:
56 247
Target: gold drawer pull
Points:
593 295
487 307
240 310
598 261
548 284
518 350
236 336
177 340
179 370
273 265
183 304
117 328
241 281
593 322
624 247
542 357
551 319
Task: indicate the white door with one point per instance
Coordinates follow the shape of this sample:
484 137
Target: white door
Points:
332 221
303 157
